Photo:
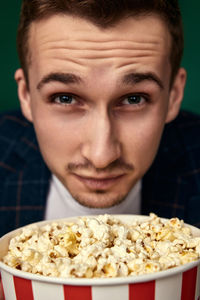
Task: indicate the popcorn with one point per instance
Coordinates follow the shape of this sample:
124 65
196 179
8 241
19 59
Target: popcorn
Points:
103 246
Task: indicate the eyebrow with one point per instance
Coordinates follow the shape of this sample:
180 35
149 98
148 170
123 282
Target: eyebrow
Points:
133 78
65 78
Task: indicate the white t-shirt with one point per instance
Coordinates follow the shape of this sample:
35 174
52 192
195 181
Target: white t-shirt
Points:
60 203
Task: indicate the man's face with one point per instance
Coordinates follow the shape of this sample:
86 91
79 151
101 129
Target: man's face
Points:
98 99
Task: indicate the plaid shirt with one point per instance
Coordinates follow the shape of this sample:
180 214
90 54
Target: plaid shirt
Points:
170 188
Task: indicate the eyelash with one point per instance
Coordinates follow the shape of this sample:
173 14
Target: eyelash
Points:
52 98
146 97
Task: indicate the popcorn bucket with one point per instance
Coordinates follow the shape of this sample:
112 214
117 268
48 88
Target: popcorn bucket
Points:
179 283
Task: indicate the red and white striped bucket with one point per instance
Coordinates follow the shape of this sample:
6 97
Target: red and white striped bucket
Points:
180 283
181 286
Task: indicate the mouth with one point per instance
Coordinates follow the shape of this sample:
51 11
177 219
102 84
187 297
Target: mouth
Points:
99 183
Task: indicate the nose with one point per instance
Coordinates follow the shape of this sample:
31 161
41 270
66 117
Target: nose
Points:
102 145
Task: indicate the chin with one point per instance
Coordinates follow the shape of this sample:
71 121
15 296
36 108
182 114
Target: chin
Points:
99 199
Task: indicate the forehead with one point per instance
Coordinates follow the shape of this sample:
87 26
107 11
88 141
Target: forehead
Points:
79 43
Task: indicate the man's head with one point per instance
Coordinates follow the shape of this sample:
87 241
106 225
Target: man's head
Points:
103 14
98 88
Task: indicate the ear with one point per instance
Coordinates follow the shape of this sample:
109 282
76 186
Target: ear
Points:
176 95
23 94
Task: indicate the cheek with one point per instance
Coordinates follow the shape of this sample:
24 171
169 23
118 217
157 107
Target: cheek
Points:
58 139
141 140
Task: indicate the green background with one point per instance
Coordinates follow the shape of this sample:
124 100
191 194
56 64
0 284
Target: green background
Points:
9 14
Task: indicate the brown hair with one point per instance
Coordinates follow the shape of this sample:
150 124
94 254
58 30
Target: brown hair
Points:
103 13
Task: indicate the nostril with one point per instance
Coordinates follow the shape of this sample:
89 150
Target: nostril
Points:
101 154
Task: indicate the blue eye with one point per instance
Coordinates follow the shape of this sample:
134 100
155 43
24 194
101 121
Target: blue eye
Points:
134 99
64 99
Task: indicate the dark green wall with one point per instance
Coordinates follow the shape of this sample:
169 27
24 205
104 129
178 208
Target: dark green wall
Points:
9 12
191 58
8 22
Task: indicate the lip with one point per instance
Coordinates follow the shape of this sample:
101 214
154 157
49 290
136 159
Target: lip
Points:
99 183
